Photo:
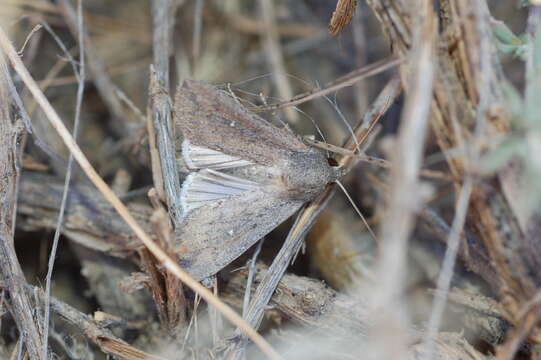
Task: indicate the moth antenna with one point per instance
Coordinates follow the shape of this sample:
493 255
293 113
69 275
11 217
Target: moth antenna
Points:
316 126
346 152
328 147
250 79
382 163
263 98
336 108
233 95
357 210
242 101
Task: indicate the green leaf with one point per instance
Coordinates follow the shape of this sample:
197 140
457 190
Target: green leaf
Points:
507 42
499 156
505 35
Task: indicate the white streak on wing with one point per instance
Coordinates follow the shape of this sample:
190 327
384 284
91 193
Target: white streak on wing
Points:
207 186
198 157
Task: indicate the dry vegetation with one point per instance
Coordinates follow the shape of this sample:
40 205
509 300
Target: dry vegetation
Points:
447 92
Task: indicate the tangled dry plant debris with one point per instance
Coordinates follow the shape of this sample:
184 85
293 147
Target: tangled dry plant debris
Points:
446 90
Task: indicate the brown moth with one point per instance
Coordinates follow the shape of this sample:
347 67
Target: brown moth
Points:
246 177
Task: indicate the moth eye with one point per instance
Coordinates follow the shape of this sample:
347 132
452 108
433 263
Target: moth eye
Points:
332 161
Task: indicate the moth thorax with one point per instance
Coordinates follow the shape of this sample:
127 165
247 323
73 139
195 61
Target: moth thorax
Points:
308 174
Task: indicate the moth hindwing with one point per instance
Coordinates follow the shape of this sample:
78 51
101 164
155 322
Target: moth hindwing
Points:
207 186
247 176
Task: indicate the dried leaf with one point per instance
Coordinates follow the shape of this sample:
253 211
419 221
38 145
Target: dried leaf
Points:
341 17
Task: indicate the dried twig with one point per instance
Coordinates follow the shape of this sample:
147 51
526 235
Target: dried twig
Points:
10 269
160 104
456 97
307 302
403 200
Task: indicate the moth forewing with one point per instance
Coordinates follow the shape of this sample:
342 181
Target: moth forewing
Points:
215 234
210 118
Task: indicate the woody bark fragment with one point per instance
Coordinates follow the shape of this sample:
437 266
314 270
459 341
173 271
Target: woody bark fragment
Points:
160 108
11 132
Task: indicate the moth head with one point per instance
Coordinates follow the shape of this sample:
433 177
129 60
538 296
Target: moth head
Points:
308 173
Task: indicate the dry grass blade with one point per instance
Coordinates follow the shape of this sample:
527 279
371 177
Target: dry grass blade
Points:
81 76
89 170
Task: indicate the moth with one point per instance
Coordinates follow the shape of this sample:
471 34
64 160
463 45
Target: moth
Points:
246 176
